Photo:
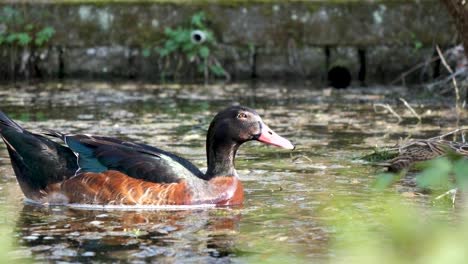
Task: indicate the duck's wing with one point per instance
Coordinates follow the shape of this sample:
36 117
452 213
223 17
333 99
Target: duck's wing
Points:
140 161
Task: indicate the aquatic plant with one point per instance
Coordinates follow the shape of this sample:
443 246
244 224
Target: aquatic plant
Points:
196 42
18 30
380 154
23 35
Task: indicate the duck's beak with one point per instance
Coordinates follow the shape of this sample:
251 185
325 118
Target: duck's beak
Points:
270 137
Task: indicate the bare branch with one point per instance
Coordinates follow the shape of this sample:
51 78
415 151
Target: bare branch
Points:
390 109
411 109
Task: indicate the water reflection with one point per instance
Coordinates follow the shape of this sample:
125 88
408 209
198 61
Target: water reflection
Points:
52 233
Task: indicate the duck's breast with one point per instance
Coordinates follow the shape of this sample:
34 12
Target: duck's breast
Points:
220 191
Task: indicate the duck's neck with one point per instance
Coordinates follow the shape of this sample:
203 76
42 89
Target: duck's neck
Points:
221 154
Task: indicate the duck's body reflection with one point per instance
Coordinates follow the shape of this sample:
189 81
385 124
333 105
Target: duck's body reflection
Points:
66 234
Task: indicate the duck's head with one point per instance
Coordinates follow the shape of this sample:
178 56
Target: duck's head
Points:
229 129
239 124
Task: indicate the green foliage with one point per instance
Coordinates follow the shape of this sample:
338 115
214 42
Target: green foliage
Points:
217 70
437 174
416 42
21 38
44 35
146 52
18 30
198 20
179 40
460 170
384 180
393 230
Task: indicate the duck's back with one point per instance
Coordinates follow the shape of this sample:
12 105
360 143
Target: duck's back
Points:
140 161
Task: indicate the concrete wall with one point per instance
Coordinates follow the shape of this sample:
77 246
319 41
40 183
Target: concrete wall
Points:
267 40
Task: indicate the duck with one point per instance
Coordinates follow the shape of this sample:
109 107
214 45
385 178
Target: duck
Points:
419 150
56 168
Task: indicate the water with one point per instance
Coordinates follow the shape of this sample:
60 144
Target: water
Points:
290 196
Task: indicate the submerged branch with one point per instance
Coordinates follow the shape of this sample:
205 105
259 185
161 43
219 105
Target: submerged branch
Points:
451 192
390 109
411 109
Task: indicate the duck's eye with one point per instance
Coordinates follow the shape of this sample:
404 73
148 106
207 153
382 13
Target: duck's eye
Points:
242 116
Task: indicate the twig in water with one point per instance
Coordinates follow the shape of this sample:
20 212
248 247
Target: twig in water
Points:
411 109
301 157
457 93
449 133
452 193
390 109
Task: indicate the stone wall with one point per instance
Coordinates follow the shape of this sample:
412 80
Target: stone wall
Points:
301 39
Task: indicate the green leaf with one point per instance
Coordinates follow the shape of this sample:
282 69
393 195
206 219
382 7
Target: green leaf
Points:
460 169
384 180
44 35
217 70
11 38
436 175
191 55
197 20
23 39
167 30
170 46
29 27
182 36
204 52
188 47
170 43
251 46
163 52
418 44
146 52
48 31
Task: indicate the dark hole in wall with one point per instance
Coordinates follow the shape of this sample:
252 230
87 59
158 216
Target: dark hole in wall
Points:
339 77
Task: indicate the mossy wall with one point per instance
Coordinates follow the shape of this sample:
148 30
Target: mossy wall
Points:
271 39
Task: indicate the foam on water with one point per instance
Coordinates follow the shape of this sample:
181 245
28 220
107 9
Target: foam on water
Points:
123 207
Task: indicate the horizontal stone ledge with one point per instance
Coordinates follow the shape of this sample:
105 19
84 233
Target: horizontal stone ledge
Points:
264 23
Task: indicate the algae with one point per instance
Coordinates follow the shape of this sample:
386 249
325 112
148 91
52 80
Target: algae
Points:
380 154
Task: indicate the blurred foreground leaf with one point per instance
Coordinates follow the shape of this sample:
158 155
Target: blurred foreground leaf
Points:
436 174
393 230
384 180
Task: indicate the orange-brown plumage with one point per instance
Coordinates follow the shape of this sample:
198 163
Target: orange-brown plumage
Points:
116 188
